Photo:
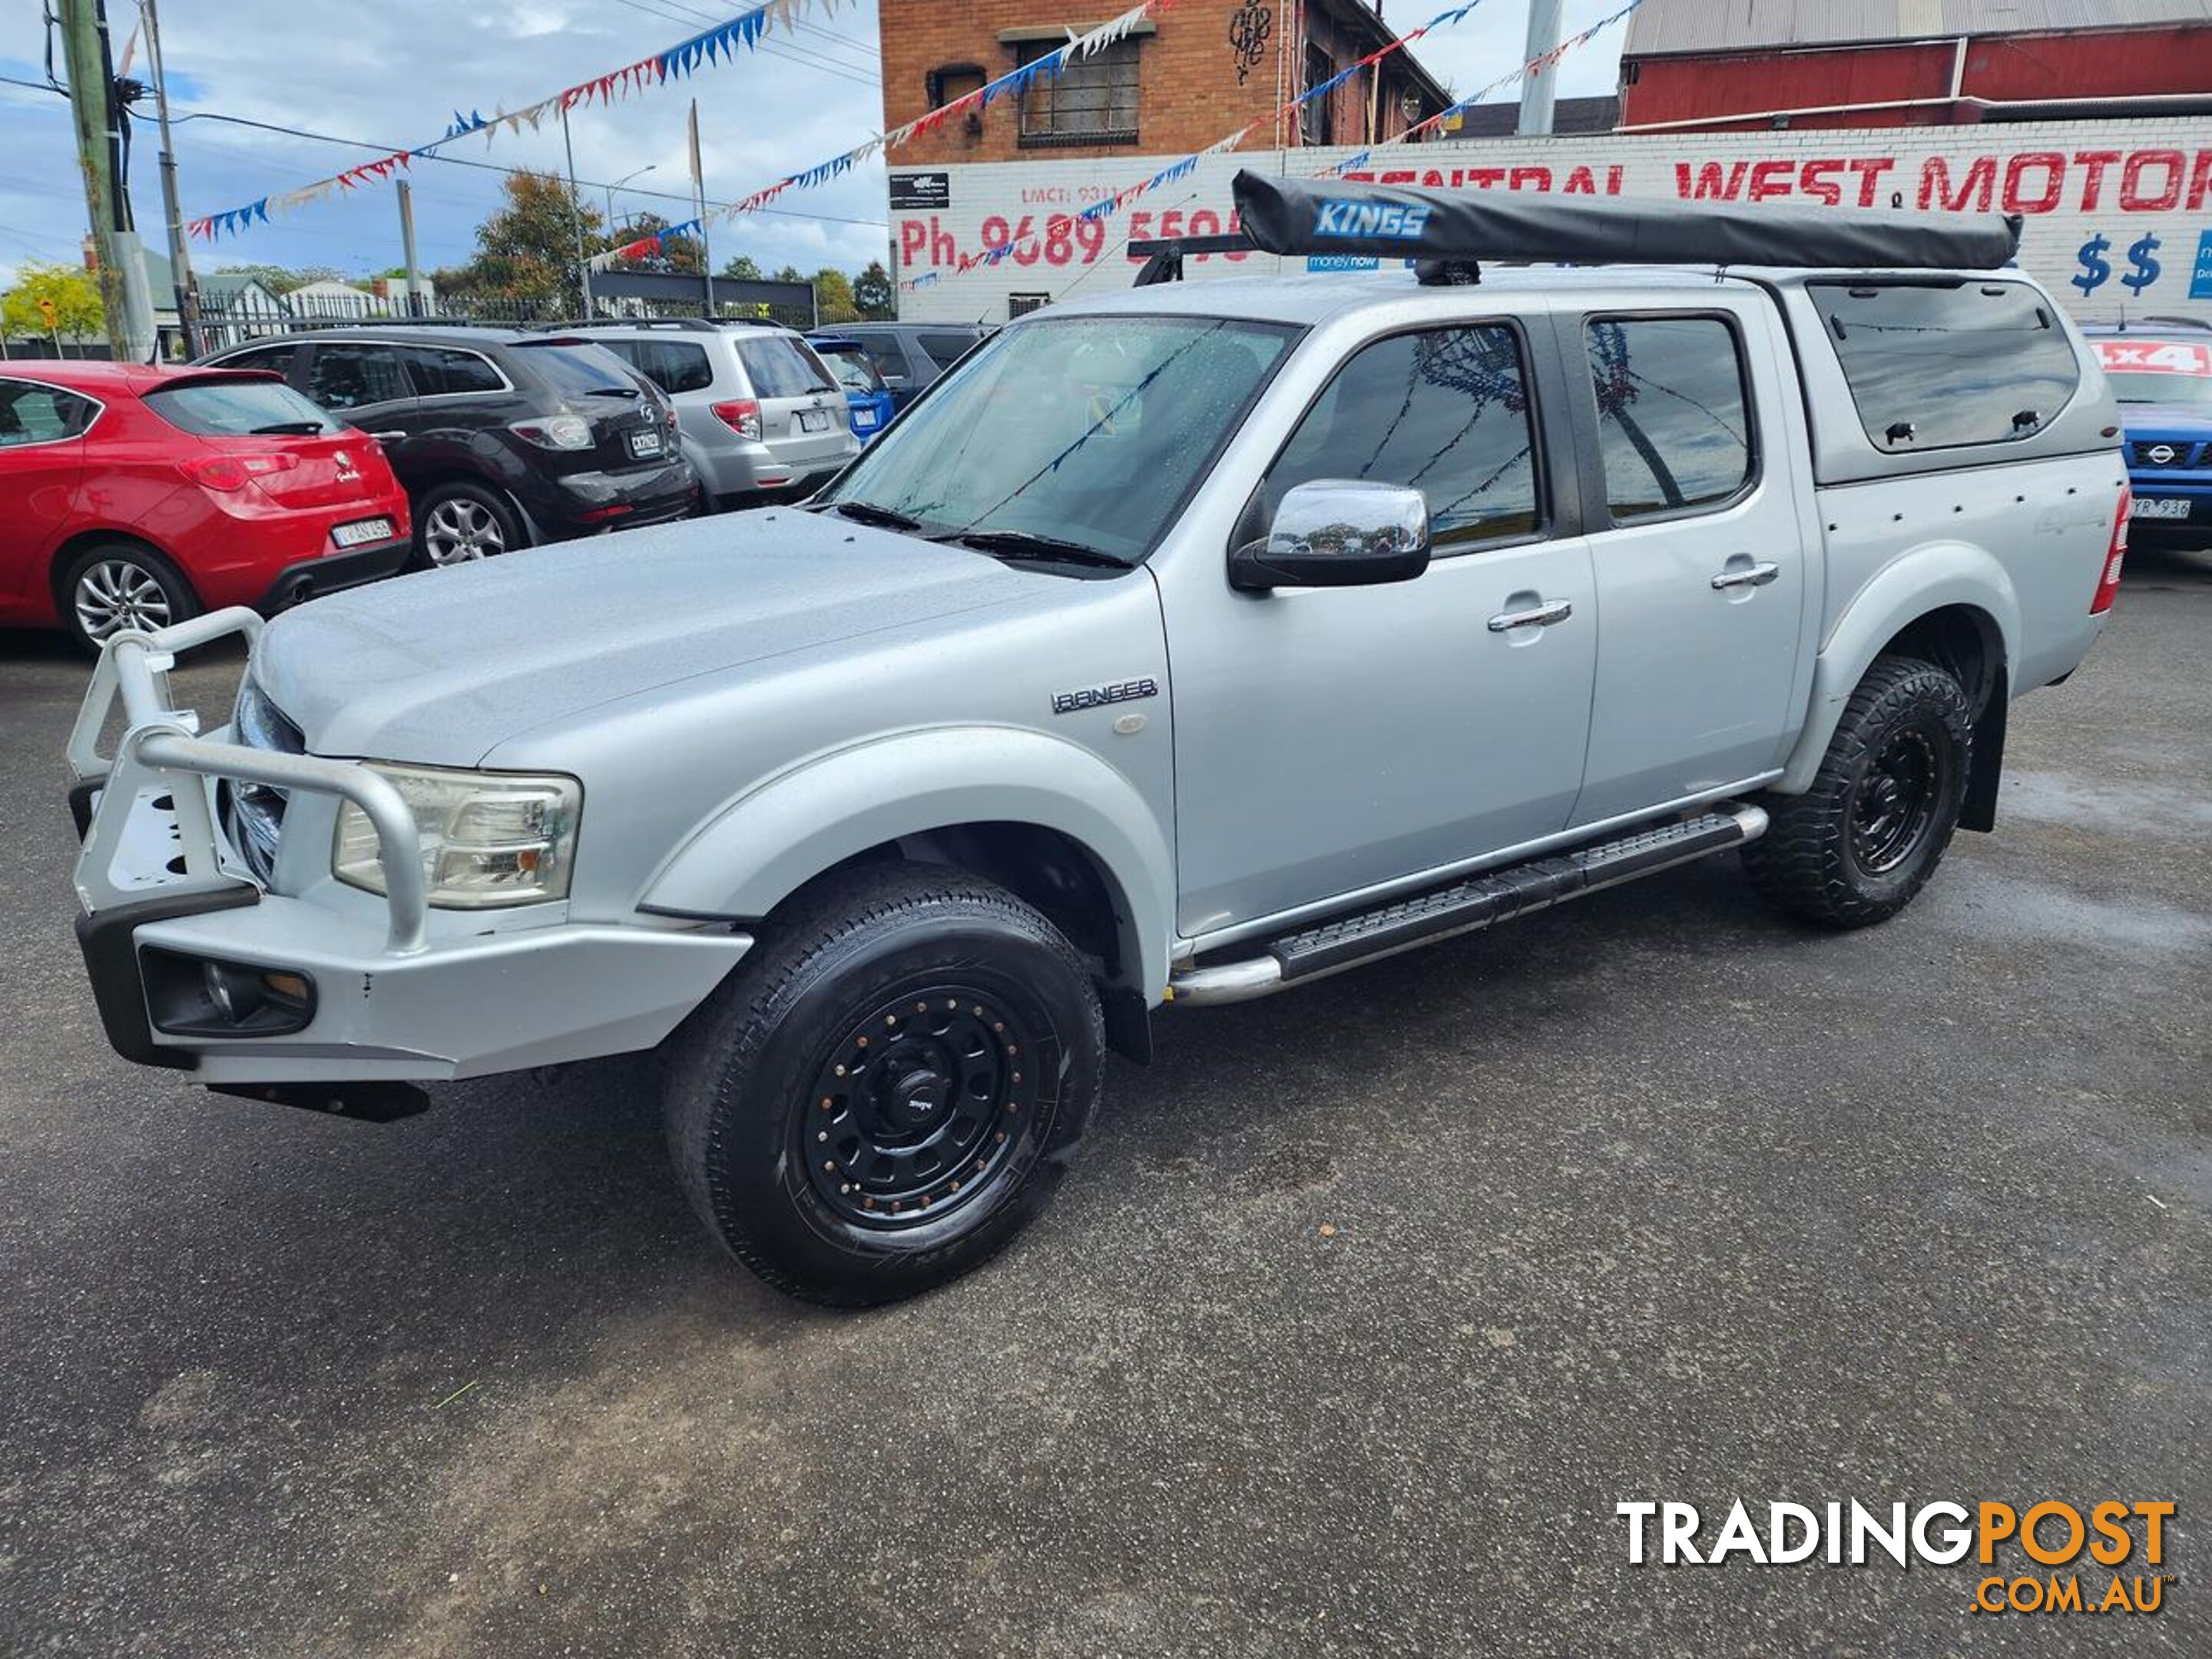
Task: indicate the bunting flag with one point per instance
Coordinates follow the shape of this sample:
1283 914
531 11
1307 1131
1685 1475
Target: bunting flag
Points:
720 42
1051 66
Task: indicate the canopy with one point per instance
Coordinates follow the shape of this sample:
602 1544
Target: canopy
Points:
1317 216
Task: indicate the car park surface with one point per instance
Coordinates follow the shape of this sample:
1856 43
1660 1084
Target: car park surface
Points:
1373 1302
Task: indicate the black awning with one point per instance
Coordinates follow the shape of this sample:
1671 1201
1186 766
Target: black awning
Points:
1318 215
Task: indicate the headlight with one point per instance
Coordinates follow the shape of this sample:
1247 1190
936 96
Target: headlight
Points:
489 838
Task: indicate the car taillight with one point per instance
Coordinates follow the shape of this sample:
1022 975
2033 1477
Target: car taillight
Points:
742 417
229 472
2108 584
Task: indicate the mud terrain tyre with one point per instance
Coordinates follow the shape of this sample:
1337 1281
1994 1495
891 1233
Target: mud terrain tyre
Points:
1856 847
888 1088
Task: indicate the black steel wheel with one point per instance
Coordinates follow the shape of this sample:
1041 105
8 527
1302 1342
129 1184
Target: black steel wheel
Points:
889 1087
1856 847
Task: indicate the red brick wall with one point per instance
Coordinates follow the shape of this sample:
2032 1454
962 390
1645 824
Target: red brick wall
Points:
1188 96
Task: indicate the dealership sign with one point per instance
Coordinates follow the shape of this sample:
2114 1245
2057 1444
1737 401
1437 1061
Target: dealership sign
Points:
2117 214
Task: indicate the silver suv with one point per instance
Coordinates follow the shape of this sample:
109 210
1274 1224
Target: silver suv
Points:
759 415
1182 645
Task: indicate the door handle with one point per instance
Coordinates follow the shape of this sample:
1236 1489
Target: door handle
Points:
1552 611
1751 576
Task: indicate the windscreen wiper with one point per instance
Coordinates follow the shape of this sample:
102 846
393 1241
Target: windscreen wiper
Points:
1027 545
287 429
884 518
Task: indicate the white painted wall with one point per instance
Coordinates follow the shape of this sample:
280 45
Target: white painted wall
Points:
2142 188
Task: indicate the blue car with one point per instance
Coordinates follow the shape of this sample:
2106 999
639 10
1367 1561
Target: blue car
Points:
867 399
2162 376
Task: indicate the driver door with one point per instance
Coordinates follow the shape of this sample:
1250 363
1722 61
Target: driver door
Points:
1332 740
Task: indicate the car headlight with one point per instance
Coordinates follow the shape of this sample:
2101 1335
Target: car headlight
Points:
489 838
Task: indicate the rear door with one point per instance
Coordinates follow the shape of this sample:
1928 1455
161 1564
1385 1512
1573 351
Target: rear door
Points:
42 431
1697 542
802 407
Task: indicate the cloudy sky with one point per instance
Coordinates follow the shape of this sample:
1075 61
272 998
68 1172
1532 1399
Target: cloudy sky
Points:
392 73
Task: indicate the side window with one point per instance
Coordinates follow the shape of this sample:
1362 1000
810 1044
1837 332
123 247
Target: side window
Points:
885 354
1445 412
445 371
1930 367
346 376
1673 423
275 359
944 350
672 365
33 414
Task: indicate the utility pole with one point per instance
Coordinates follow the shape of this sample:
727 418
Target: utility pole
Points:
699 207
180 265
414 306
576 217
1537 86
92 111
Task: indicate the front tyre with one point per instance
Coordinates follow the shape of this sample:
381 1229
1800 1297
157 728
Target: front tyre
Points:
888 1088
1856 847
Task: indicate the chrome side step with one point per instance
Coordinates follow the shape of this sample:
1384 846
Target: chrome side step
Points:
1477 902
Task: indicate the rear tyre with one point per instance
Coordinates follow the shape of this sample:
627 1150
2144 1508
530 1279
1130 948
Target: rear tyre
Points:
459 523
115 585
889 1089
1856 847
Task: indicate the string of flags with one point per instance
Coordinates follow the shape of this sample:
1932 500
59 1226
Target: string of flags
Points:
1049 67
718 43
1105 207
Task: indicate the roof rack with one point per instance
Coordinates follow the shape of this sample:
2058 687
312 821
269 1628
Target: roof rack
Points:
1446 232
688 324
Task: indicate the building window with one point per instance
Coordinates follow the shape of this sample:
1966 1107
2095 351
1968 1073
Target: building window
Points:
1093 100
950 80
1314 126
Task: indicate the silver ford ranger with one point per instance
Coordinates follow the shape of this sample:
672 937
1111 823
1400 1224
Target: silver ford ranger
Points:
1180 646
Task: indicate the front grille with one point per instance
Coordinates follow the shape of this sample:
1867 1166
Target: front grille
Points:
254 813
2156 453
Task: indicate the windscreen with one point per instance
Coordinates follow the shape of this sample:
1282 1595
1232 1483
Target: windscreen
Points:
854 371
1043 428
237 409
779 367
2176 372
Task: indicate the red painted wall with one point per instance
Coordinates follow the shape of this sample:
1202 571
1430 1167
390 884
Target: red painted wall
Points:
2086 63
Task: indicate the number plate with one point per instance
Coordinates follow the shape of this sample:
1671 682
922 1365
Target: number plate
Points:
2158 506
642 444
362 531
813 420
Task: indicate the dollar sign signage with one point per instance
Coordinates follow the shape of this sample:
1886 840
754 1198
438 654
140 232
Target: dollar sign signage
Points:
1249 26
2095 270
2146 268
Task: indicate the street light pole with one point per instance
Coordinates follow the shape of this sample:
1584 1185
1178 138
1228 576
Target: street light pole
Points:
616 185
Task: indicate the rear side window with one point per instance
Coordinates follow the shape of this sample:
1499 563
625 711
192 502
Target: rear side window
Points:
232 409
344 376
1445 412
780 366
444 371
885 358
854 371
575 369
944 350
31 414
1936 367
672 365
1673 423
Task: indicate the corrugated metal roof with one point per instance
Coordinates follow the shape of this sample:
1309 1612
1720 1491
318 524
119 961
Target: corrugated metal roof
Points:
1665 26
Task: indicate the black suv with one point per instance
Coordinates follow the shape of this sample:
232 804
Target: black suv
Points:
502 438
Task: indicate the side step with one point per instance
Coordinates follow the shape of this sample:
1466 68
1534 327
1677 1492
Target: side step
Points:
1478 901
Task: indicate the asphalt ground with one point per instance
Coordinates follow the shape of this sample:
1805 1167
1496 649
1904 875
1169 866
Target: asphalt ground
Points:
1366 1306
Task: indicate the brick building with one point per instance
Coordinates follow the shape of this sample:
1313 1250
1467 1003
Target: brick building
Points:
1185 80
1691 64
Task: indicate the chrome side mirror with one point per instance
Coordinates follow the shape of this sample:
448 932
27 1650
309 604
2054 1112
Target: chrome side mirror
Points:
1337 532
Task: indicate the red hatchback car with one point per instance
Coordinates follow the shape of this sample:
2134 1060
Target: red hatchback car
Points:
136 496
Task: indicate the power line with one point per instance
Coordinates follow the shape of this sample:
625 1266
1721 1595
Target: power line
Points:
852 72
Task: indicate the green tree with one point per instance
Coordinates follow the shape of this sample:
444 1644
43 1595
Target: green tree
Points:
527 250
791 274
744 268
833 296
873 294
678 255
75 294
